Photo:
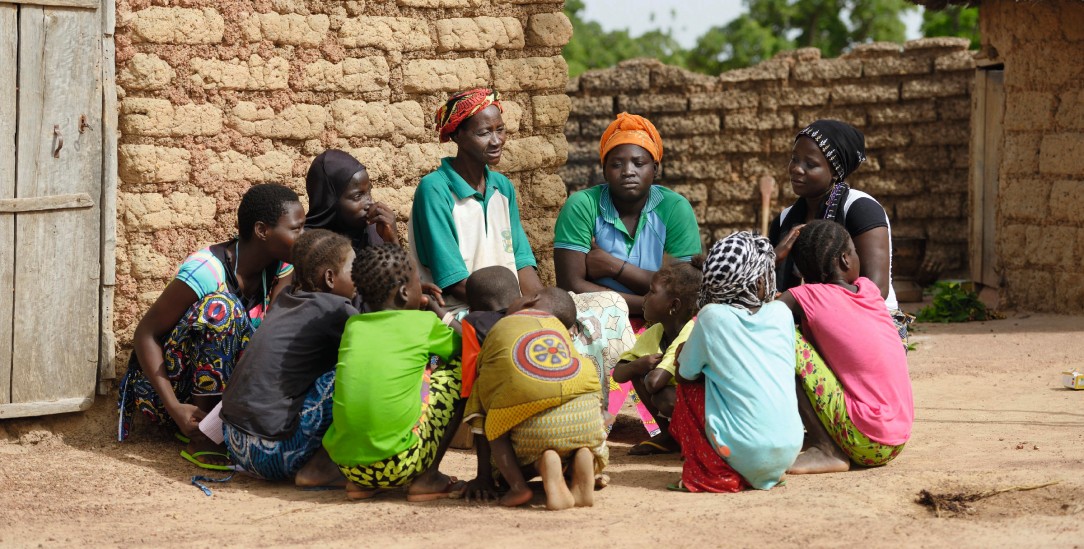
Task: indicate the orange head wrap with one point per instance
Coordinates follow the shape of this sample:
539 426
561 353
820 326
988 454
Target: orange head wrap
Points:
462 106
634 129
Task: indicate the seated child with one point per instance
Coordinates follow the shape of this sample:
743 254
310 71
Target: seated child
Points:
742 418
856 403
490 291
536 400
396 400
669 305
278 403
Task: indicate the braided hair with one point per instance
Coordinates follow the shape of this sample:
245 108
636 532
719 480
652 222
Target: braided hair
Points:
682 280
380 270
818 247
266 203
738 268
316 251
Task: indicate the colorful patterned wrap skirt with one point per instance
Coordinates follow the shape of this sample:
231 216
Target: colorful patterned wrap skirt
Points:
603 333
199 353
282 459
440 394
704 470
566 428
830 402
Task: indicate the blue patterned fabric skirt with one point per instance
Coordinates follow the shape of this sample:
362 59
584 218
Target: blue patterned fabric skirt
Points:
282 459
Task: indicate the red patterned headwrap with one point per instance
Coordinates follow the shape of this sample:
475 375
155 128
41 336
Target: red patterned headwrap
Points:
462 106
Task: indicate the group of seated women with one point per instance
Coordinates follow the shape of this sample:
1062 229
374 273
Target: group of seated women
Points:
313 347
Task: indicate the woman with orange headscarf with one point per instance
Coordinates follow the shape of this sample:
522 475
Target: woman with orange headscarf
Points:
614 236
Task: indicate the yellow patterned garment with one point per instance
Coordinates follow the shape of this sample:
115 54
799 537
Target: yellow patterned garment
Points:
650 342
527 365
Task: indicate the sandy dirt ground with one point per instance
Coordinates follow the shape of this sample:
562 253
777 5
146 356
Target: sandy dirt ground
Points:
990 415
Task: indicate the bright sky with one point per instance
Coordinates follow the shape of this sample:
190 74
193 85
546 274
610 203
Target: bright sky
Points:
688 18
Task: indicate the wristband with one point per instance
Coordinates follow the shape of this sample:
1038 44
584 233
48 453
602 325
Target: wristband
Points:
622 269
448 318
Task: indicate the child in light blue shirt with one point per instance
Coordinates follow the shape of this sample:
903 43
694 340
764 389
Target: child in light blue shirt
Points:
737 414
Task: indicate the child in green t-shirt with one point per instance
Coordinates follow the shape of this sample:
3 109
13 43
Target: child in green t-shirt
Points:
397 397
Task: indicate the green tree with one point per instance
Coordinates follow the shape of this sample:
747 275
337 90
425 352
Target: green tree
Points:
767 28
592 48
741 43
954 20
772 26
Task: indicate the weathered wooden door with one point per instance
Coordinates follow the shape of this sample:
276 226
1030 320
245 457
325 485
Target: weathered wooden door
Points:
50 216
986 136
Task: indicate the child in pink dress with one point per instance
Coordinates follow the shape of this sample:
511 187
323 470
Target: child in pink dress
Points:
855 392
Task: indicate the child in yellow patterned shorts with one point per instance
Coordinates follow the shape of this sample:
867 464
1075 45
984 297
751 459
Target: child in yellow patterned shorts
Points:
537 401
396 404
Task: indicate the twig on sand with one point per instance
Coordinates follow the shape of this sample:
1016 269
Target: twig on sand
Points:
958 503
284 513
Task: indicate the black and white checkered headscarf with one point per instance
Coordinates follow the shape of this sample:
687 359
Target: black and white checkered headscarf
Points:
736 267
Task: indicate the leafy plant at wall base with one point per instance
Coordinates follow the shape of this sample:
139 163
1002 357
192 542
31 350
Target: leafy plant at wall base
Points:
953 303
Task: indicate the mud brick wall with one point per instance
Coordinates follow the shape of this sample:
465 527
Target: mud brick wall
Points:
1040 214
216 96
721 134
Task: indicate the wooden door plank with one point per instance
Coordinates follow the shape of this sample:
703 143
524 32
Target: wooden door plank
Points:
58 3
978 156
61 406
55 354
74 201
995 116
9 44
107 344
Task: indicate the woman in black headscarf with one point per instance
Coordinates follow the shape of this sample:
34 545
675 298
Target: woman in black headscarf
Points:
824 154
341 200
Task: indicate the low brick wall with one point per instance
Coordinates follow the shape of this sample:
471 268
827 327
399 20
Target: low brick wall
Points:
217 96
721 134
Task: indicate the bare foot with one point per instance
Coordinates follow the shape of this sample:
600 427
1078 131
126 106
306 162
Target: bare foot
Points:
357 493
433 485
207 451
517 496
558 497
320 471
602 480
816 460
583 478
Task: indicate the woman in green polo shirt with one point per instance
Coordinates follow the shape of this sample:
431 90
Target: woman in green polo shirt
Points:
465 215
615 236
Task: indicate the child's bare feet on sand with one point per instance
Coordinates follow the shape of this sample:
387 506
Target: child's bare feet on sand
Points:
818 459
206 451
320 471
356 493
583 478
602 480
433 485
558 496
517 495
